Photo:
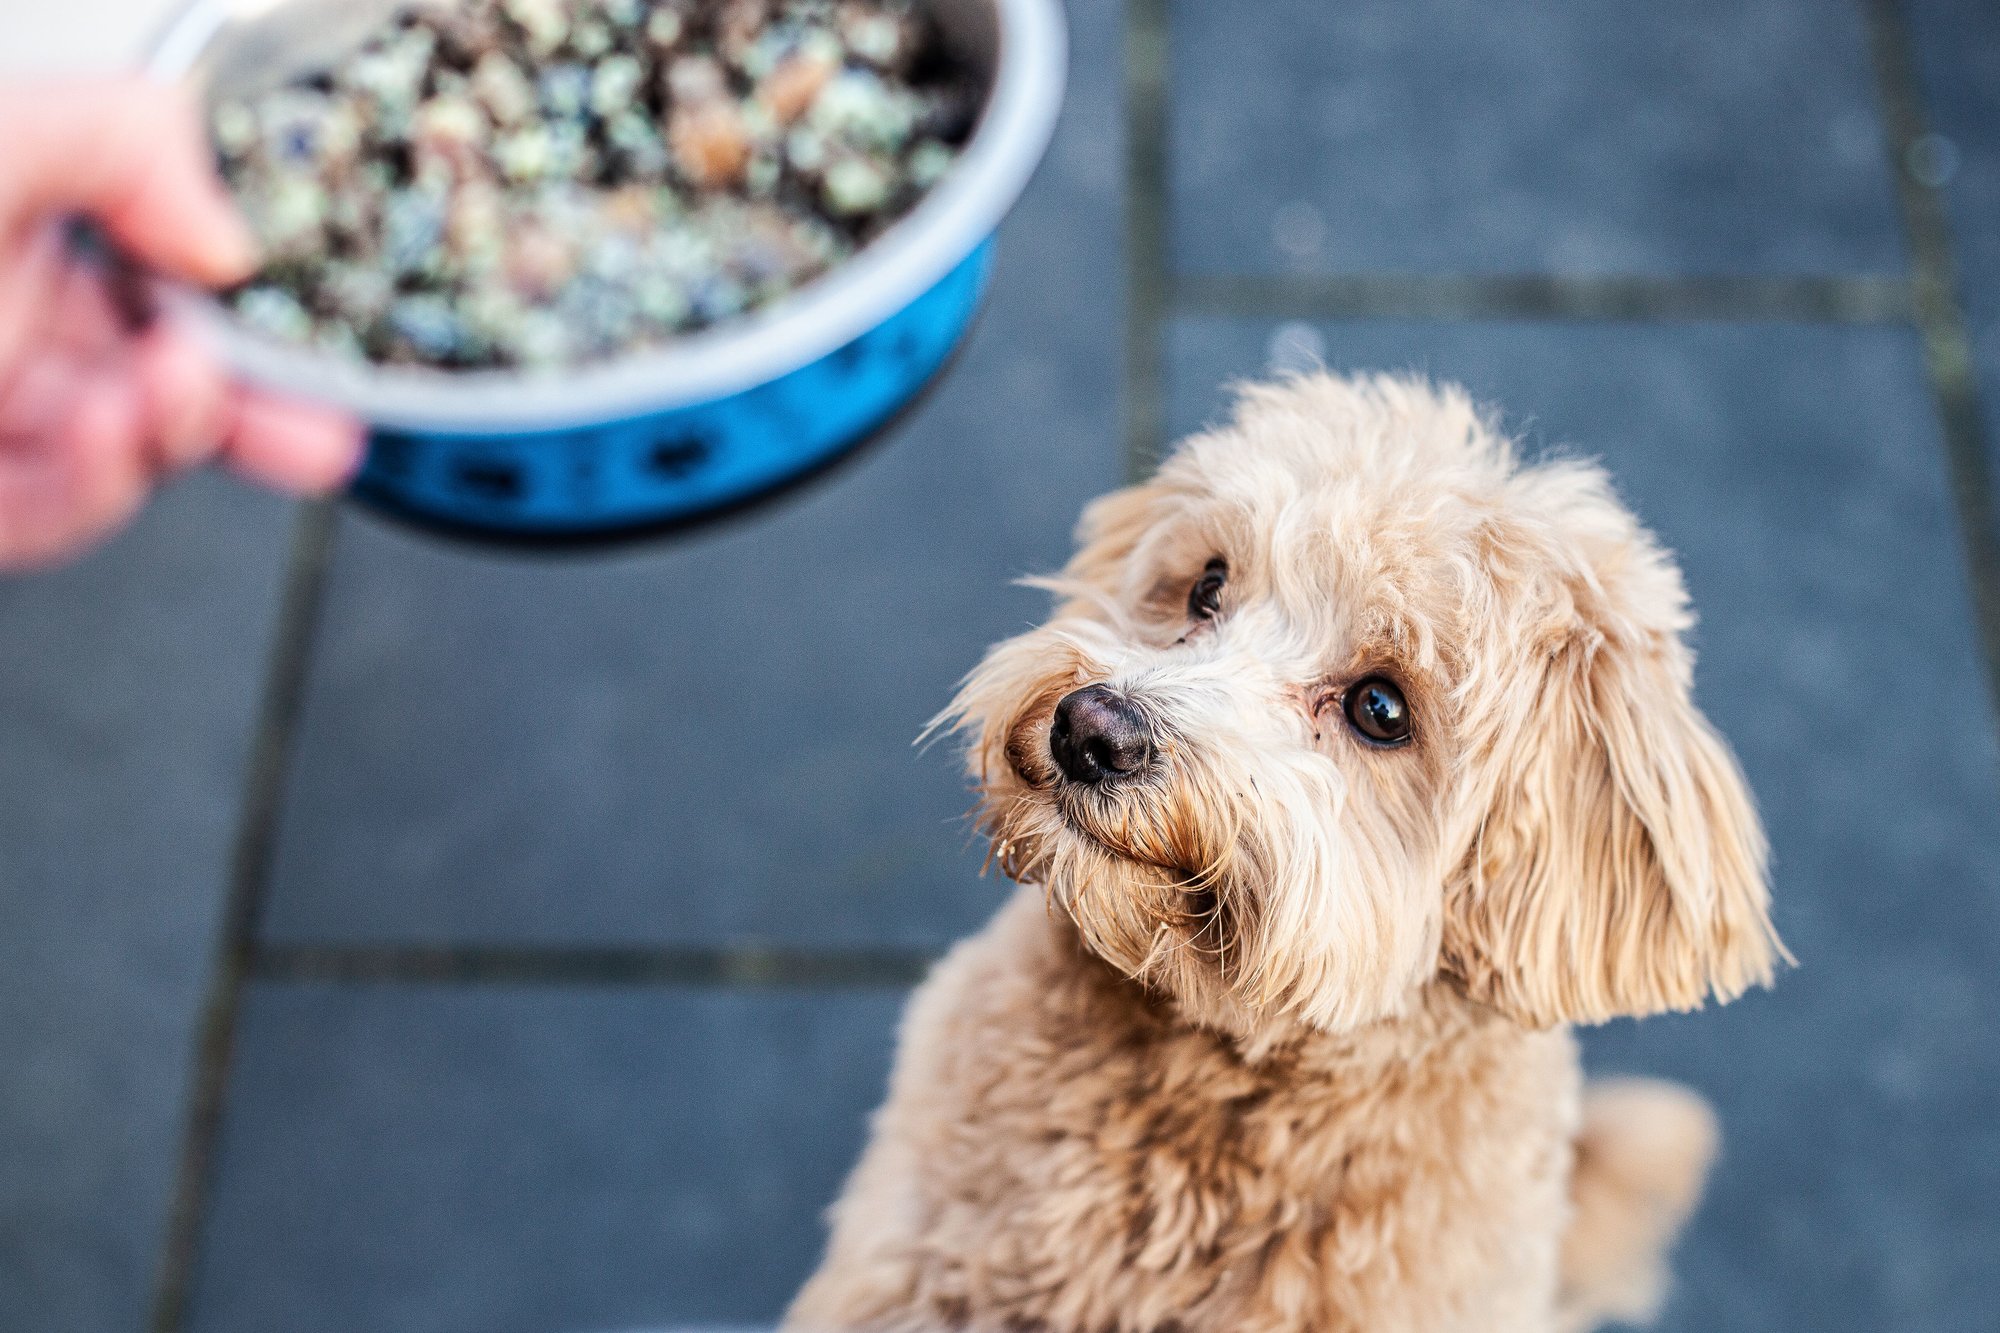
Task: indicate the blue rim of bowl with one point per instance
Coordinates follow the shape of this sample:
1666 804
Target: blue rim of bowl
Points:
389 506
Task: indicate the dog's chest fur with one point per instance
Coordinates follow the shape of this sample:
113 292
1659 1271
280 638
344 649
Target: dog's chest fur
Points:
1058 1153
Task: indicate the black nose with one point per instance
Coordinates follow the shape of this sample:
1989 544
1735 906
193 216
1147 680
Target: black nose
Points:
1097 735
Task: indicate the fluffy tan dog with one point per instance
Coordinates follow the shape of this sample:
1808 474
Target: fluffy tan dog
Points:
1356 761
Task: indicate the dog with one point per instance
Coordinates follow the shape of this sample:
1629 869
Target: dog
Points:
1355 764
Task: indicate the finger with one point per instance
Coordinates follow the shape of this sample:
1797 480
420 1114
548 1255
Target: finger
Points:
32 270
184 397
129 153
293 446
81 317
72 464
107 441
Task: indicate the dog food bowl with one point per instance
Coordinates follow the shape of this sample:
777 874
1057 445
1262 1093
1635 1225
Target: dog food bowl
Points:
686 430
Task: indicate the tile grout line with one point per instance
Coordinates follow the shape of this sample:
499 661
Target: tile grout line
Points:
1941 322
270 754
1330 297
1146 297
585 965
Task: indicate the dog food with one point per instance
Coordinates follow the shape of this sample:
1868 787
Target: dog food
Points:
542 183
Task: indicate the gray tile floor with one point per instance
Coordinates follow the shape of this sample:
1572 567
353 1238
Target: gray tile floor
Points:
557 914
1960 63
128 694
1705 137
512 1159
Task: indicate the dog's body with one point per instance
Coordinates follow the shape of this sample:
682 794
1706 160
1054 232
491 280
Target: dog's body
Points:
1057 1152
1356 761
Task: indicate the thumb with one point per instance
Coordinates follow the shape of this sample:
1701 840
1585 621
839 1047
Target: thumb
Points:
130 154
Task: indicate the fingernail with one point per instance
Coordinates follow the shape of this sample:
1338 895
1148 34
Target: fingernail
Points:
232 247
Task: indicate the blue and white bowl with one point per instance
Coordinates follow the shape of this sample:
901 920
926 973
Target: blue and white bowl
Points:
689 429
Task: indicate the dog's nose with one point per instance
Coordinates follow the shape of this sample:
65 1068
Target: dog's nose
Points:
1097 735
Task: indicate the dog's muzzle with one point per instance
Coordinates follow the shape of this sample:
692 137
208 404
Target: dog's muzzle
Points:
1098 735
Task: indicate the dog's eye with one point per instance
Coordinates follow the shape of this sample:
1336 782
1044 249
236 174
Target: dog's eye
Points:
1377 711
1205 597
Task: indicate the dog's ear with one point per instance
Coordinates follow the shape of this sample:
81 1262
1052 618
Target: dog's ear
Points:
1620 865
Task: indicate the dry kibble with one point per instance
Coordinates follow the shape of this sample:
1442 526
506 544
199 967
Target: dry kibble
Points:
538 183
791 87
539 263
542 20
391 74
696 79
633 209
860 108
525 155
234 127
738 27
354 212
413 223
476 228
592 40
291 217
570 150
874 36
763 175
710 144
806 150
664 28
504 90
429 327
614 83
855 185
928 163
565 89
454 131
464 32
359 293
637 145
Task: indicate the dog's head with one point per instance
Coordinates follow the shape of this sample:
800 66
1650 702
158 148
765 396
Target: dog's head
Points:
1345 699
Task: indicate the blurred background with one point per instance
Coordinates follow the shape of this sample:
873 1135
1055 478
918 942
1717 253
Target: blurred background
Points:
403 938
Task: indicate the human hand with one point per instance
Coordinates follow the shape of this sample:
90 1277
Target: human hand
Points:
95 412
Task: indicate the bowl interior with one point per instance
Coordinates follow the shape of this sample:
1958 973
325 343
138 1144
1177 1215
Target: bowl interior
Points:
230 48
253 45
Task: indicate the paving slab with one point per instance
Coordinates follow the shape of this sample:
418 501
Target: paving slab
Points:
492 1160
1957 45
129 688
1505 136
709 741
1798 473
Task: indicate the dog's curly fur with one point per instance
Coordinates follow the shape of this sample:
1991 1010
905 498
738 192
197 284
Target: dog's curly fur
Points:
1273 1035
